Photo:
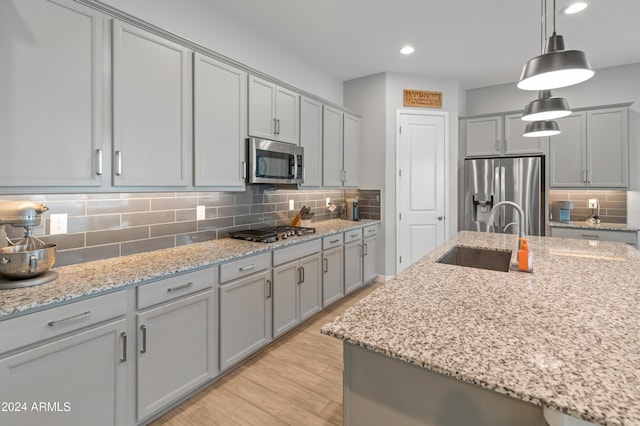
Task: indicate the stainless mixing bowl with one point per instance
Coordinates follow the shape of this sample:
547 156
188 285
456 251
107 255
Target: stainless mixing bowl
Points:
18 262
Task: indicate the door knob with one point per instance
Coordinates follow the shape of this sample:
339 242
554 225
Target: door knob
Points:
440 217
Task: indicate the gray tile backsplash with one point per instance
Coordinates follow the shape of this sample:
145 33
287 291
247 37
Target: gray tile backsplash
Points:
613 204
111 225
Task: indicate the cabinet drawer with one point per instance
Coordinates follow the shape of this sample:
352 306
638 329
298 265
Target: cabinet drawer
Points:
32 328
332 241
370 231
353 235
175 287
595 234
295 252
245 266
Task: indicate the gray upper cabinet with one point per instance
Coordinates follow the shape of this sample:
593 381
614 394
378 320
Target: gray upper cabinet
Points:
274 112
341 148
220 124
591 151
514 143
351 151
52 102
498 135
152 114
311 141
332 147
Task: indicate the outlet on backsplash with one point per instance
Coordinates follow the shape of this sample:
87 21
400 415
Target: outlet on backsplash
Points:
593 203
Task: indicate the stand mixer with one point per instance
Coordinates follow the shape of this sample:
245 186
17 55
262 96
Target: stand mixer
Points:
27 259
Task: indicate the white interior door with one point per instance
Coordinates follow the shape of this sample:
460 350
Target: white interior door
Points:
421 185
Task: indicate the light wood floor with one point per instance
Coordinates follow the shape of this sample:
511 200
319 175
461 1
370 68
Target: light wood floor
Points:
296 380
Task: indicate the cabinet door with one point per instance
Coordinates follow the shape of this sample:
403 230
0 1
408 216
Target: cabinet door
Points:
151 109
351 151
607 148
333 276
175 351
483 136
567 153
220 123
310 289
287 116
262 108
370 254
352 266
332 123
286 279
245 317
514 141
51 102
311 141
81 378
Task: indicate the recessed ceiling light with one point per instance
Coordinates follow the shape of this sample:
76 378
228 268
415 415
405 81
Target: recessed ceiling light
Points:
407 50
576 7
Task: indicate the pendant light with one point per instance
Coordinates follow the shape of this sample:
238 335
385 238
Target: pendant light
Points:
556 67
539 129
546 107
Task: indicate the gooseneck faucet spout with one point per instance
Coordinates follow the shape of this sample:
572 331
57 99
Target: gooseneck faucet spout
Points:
522 218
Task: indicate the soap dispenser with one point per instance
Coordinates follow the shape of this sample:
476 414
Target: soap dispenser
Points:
525 257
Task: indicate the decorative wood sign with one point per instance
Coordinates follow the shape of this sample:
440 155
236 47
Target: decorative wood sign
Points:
422 98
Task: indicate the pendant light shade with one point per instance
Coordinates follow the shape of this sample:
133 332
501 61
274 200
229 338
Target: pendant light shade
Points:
546 107
538 129
555 68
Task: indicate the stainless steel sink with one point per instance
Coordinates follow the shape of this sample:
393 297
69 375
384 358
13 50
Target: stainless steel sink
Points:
483 258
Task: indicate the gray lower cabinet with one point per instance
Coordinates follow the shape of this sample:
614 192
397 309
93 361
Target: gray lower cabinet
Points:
176 350
333 275
245 317
369 253
353 266
297 293
76 379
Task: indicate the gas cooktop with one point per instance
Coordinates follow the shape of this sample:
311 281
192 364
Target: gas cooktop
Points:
272 234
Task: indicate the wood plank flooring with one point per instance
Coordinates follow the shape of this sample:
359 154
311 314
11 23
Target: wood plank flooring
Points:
296 380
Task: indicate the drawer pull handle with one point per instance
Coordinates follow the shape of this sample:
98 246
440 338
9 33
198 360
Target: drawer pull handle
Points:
354 235
124 347
248 267
334 241
143 349
180 287
53 323
596 237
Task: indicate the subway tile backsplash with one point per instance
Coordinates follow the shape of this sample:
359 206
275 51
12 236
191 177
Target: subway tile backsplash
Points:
110 225
613 204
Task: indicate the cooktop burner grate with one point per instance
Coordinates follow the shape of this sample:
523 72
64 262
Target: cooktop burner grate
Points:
272 234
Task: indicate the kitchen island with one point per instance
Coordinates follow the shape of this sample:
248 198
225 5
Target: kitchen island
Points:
446 344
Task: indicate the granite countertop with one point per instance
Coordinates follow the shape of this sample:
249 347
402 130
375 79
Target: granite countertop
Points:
563 337
91 278
602 226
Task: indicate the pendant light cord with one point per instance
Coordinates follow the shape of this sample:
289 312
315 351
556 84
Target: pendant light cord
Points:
554 16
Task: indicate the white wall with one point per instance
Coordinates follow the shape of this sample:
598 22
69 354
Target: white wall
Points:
378 98
203 23
609 86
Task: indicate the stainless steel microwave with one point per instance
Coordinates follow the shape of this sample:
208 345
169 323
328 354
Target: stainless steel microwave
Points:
274 162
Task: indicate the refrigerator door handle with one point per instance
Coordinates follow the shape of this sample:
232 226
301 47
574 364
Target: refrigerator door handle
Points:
496 193
503 194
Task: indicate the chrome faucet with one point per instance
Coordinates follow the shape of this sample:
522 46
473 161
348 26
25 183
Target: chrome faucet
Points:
515 206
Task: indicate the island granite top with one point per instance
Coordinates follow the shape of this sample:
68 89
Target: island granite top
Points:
92 278
564 336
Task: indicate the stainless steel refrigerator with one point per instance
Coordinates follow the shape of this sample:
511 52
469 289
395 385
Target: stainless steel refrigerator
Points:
488 181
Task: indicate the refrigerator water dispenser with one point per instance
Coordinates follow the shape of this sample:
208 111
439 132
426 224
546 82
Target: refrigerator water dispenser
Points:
482 204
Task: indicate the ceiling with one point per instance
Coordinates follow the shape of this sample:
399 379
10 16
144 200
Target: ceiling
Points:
479 43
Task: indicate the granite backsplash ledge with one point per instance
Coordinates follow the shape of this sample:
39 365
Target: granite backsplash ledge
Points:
103 226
